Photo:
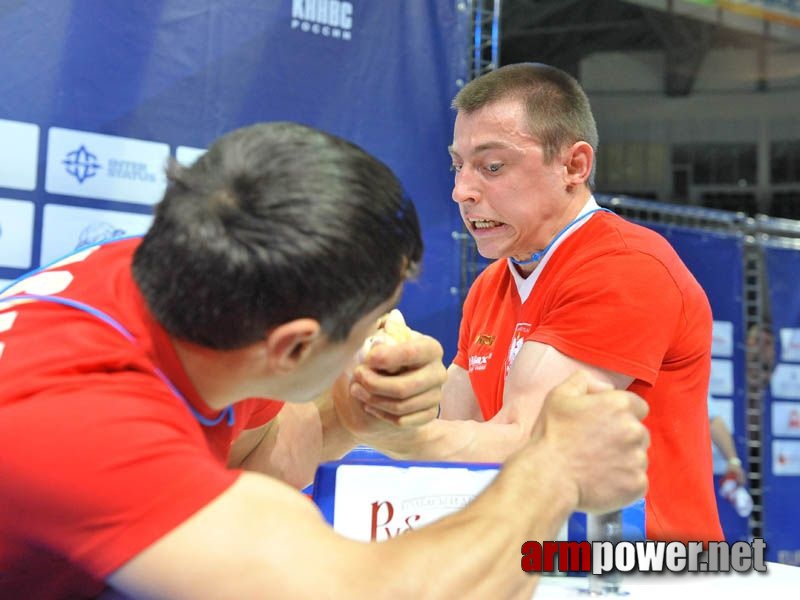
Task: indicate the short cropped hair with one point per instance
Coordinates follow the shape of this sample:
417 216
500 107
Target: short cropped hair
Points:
277 221
558 109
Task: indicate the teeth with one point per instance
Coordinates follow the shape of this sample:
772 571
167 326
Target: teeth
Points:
484 224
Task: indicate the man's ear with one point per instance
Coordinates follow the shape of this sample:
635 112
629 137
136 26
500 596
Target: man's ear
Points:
578 162
289 344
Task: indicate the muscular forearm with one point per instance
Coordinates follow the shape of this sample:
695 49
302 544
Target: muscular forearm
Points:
458 441
271 536
297 441
259 536
476 552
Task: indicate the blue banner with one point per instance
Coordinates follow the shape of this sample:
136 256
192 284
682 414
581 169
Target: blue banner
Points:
95 95
781 414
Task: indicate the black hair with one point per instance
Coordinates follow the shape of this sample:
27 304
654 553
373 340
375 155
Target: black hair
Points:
277 221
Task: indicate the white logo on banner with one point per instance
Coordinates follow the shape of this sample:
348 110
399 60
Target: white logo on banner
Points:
785 382
785 457
379 502
16 233
93 165
186 155
721 383
722 339
67 228
790 344
19 154
329 18
786 419
722 408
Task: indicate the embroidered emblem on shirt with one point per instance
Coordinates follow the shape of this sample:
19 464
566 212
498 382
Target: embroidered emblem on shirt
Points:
481 352
484 339
521 332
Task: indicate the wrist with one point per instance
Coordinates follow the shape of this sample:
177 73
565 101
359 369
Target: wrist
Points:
337 440
539 479
734 462
403 443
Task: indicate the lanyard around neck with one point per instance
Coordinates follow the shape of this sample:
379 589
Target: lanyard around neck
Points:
537 256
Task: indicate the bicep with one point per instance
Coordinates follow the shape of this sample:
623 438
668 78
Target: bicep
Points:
537 369
458 399
257 537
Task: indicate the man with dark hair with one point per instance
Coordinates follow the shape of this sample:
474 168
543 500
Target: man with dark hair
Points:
575 287
137 448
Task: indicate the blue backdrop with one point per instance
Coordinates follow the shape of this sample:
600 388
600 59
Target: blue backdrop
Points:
167 77
782 410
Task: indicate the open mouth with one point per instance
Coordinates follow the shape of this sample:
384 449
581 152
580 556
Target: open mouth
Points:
483 224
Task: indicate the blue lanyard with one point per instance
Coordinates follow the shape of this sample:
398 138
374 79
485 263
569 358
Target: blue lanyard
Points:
537 256
108 320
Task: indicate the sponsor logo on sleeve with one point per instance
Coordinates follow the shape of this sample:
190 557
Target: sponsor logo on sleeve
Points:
481 352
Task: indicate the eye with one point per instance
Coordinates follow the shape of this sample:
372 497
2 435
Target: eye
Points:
494 167
455 167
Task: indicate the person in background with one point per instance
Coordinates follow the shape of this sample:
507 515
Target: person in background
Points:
723 440
574 287
162 398
732 485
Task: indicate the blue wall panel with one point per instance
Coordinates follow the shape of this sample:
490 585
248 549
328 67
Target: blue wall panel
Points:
183 72
781 420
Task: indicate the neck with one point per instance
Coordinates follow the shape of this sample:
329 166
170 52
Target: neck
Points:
221 377
558 222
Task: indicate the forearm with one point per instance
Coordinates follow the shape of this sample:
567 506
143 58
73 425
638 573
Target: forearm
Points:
300 438
258 537
467 441
722 438
476 552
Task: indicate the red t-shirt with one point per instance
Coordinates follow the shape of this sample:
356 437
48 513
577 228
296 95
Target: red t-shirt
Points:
98 458
614 295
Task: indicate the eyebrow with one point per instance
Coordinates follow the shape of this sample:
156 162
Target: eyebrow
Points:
482 147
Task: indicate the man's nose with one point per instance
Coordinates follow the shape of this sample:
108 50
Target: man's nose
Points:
464 188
